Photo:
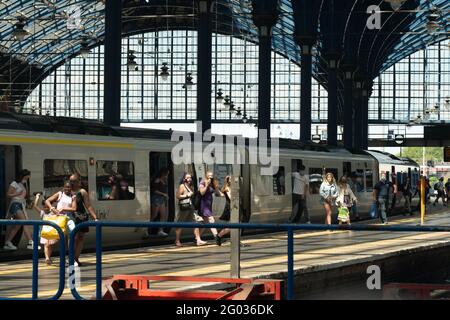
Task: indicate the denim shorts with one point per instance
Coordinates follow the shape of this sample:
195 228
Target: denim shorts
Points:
15 207
158 200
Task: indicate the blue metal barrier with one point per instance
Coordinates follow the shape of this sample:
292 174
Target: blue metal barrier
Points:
289 228
62 264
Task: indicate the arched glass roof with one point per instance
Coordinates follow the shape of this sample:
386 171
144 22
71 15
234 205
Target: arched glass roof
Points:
58 28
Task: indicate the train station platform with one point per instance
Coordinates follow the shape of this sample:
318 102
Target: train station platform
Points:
324 261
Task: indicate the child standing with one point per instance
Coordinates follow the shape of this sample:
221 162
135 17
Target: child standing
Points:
344 201
45 212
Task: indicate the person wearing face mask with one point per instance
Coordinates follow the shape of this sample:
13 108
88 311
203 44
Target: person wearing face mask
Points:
299 195
381 196
18 192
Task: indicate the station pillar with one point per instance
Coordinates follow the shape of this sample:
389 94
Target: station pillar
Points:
365 119
204 63
348 107
305 92
357 119
112 67
265 16
306 15
333 60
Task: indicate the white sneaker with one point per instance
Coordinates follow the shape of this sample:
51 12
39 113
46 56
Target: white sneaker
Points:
162 233
30 245
9 246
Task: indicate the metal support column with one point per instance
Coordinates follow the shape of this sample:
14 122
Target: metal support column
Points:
332 103
358 116
204 64
265 16
305 92
348 109
113 34
264 77
365 119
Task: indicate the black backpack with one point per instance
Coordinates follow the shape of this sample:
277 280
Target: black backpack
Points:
196 199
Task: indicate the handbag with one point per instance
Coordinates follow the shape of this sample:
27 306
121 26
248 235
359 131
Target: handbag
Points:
374 210
185 204
343 213
81 216
50 233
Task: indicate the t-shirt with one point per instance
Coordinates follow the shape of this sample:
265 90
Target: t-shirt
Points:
300 183
64 201
383 189
19 188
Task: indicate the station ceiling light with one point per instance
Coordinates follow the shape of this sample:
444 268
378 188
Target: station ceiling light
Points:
447 103
395 4
84 50
226 101
432 26
189 83
433 16
232 106
131 62
19 30
219 96
164 72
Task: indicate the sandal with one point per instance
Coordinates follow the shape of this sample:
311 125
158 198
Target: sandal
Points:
48 262
201 243
178 244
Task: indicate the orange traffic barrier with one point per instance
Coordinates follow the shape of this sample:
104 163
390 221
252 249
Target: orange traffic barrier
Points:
129 287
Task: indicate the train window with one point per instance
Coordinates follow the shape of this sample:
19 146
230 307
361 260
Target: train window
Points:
359 183
221 171
58 170
315 180
333 171
279 182
347 168
369 181
115 180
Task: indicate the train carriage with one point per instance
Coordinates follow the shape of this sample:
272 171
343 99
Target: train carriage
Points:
52 152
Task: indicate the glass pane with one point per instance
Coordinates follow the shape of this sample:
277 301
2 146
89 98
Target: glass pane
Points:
115 180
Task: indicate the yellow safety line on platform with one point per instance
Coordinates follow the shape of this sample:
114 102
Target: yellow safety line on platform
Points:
97 144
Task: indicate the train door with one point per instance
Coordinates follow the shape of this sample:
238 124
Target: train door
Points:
10 160
346 169
159 161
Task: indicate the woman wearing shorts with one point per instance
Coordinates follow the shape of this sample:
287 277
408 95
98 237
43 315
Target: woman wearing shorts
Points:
186 212
160 195
18 194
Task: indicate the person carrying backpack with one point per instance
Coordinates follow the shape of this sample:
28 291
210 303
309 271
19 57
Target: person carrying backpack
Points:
381 196
439 187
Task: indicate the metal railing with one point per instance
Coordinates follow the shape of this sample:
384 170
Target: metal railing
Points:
289 228
35 273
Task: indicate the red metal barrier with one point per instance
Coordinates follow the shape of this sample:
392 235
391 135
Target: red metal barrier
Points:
415 291
127 287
